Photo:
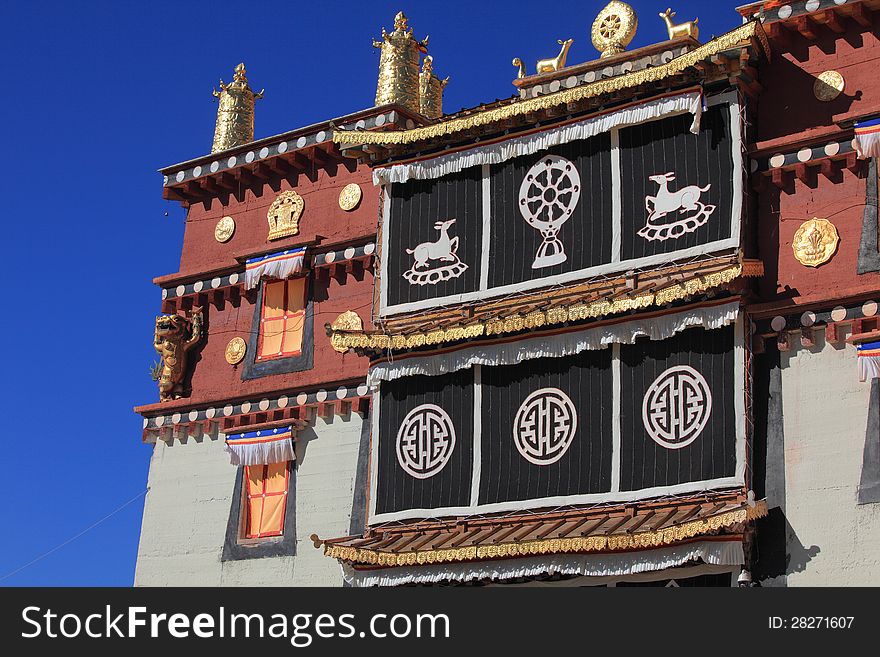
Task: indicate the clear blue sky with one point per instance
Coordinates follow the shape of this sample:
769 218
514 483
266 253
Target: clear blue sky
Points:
97 96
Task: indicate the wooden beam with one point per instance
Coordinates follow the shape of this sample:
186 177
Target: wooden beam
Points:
833 22
861 15
805 27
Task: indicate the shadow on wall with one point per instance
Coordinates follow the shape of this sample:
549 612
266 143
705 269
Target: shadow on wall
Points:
781 552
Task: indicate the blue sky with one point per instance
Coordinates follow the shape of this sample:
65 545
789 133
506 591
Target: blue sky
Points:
97 96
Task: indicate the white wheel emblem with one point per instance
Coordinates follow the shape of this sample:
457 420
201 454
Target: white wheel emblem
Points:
677 407
544 426
548 196
425 441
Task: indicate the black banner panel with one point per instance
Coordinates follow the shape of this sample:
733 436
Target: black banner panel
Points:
550 212
546 428
677 417
434 238
426 434
676 187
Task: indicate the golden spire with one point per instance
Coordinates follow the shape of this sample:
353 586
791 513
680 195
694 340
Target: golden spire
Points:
235 114
431 90
399 65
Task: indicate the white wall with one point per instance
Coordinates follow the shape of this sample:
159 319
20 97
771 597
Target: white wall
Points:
834 541
187 509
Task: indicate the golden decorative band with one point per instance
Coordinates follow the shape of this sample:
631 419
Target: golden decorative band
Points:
642 540
341 341
672 67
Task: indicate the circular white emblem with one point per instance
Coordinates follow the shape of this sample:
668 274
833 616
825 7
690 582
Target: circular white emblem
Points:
677 407
425 441
544 426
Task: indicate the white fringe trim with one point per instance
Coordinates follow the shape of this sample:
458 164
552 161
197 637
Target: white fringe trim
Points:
718 553
600 337
278 451
869 368
283 269
691 102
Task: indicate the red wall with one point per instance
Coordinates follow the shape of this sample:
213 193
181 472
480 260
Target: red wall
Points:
321 216
787 106
213 379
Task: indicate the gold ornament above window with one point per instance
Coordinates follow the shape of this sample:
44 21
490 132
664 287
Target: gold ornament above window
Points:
828 86
347 321
614 28
235 351
815 242
349 197
284 214
224 229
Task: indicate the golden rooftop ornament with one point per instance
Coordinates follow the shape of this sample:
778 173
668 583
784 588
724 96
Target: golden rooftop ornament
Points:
224 229
431 91
521 73
815 242
347 321
684 29
235 114
554 63
284 214
614 28
399 66
235 351
828 86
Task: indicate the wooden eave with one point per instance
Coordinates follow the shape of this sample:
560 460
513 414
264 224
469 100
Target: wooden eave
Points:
632 526
727 60
306 160
552 308
799 20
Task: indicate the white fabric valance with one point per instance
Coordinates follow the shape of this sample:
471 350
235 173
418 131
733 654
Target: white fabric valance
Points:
718 553
283 264
691 102
567 344
261 447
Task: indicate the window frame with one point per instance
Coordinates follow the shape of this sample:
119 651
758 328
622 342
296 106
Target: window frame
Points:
245 528
285 317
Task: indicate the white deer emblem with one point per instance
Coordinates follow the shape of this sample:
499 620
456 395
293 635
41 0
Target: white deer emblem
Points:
682 201
442 250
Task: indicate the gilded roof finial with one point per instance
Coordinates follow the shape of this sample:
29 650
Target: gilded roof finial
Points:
235 114
431 90
399 65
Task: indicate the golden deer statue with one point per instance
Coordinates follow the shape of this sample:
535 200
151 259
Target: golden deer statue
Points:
556 63
522 67
685 29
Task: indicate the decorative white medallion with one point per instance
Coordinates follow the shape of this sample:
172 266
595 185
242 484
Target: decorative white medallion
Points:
548 196
682 201
544 426
425 441
677 407
436 261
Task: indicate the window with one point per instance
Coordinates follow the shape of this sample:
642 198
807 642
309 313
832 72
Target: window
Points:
266 490
283 319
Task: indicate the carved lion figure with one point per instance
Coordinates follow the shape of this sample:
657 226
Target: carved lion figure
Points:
174 337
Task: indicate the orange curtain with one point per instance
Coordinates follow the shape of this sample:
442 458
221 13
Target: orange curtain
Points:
283 319
266 499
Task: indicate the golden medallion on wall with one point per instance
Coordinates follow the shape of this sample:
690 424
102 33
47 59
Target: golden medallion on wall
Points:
815 242
350 196
284 214
235 351
828 86
614 28
224 229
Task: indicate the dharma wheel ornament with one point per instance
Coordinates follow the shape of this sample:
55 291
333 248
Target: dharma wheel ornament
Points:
815 242
284 214
614 28
235 115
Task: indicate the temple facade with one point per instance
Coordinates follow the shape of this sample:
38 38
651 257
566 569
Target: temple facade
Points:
620 329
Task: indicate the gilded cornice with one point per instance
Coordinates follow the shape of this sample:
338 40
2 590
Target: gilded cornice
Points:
634 541
727 41
579 311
